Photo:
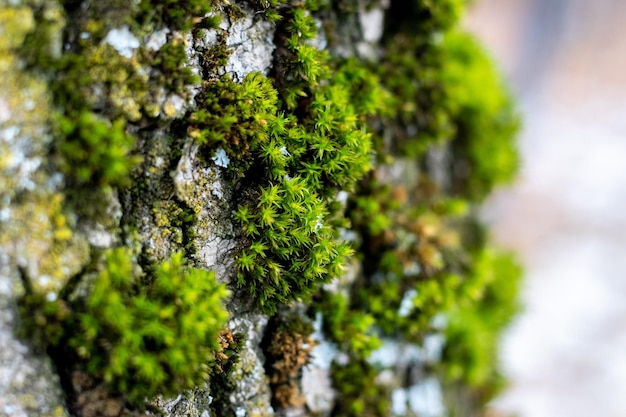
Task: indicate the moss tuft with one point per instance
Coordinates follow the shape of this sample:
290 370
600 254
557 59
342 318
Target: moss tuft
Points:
486 123
176 14
160 338
359 393
141 340
171 60
94 151
351 329
472 334
293 155
233 115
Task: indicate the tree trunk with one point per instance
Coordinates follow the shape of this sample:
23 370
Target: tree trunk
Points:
248 208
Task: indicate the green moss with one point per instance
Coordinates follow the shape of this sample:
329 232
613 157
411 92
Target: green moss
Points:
486 122
293 245
298 66
291 250
410 250
171 60
315 127
234 116
351 329
294 150
421 247
418 117
448 92
359 393
175 14
94 151
141 340
472 334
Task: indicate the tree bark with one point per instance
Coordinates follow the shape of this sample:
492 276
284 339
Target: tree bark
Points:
71 69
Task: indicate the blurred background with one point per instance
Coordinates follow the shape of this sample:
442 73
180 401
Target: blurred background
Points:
566 216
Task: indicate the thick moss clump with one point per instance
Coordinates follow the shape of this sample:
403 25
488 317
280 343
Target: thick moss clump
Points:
295 146
234 116
359 393
94 150
158 338
142 336
485 121
475 325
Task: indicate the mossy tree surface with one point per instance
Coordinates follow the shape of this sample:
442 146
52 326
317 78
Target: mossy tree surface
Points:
224 214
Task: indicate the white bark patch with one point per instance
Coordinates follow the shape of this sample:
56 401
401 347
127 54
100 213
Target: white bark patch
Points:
252 46
123 41
157 39
207 193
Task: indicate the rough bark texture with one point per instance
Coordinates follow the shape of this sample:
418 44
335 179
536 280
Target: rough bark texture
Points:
76 70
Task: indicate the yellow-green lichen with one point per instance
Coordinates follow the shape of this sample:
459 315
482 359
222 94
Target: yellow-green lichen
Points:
24 106
34 227
16 22
101 73
168 216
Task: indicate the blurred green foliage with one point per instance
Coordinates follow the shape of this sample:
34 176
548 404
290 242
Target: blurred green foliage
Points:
474 327
95 151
